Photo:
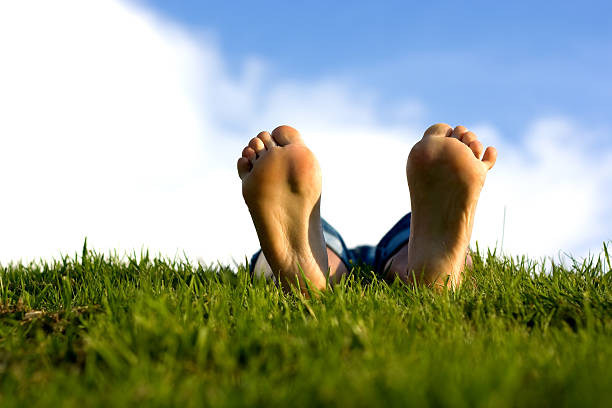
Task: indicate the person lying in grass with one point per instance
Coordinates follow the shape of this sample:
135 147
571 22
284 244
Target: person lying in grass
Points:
281 185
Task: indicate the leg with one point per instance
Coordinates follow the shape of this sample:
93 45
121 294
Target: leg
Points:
398 263
337 269
281 185
445 176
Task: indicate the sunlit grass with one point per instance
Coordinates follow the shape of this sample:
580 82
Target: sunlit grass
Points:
99 330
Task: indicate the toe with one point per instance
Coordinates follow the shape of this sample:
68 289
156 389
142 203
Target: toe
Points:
249 154
439 129
458 132
490 156
267 140
244 167
468 137
476 147
284 135
257 145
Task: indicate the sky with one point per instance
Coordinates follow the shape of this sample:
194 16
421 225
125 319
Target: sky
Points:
121 121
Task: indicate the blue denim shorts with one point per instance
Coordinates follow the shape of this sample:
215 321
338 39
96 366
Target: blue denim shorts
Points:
375 256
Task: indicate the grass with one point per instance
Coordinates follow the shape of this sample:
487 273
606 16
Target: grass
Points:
102 331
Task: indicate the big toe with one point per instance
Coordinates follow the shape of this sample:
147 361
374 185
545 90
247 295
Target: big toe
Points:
284 135
490 157
438 130
244 167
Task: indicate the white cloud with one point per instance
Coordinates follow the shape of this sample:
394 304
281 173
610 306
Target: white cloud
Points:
98 125
556 185
124 128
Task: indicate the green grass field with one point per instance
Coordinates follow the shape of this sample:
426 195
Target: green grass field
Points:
95 330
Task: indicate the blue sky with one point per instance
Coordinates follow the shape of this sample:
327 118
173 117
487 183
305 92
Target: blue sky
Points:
467 62
121 120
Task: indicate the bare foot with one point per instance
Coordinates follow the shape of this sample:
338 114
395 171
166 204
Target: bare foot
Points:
445 176
281 185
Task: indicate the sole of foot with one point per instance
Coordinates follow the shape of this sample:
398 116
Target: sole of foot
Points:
281 185
445 175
